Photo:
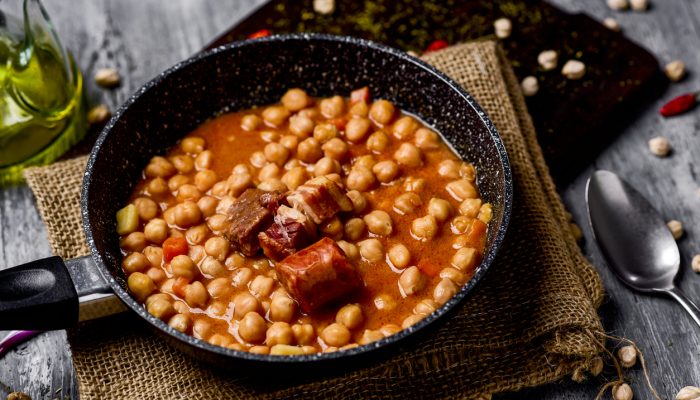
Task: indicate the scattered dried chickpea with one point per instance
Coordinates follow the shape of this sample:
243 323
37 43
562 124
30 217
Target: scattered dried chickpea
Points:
107 77
612 24
639 5
548 59
530 86
659 146
627 356
324 6
676 228
675 70
503 28
574 69
622 391
695 264
618 5
688 393
98 114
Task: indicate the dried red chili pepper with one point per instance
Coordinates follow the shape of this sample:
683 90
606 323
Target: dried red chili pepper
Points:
679 105
260 34
436 45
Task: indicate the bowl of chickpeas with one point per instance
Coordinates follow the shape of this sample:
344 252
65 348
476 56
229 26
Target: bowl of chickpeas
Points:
296 200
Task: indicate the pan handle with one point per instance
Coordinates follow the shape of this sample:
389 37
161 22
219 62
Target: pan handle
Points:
39 295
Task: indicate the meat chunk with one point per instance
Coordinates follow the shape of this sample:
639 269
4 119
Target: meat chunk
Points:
320 198
290 232
249 215
318 274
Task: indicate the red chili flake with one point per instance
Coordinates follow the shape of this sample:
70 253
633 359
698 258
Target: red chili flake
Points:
679 105
436 45
260 34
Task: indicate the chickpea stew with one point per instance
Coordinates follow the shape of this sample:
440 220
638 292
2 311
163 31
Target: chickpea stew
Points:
312 225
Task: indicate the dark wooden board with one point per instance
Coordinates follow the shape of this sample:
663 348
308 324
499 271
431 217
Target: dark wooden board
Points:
574 119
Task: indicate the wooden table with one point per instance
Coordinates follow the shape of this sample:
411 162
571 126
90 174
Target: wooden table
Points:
141 38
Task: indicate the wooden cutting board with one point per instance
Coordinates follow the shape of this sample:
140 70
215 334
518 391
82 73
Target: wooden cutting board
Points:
574 119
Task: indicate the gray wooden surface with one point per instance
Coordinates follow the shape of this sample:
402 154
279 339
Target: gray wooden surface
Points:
142 37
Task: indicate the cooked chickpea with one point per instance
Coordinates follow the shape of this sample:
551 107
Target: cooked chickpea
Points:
408 155
460 224
217 247
275 115
359 202
234 261
485 213
176 181
212 267
382 111
332 228
183 163
424 228
378 142
196 253
349 249
156 231
161 309
467 171
157 275
359 109
411 320
366 161
399 255
220 340
407 203
449 169
301 126
250 122
303 333
425 307
336 335
187 214
464 258
412 184
325 132
188 192
154 255
276 153
386 171
205 179
440 209
384 302
272 185
309 150
169 216
372 250
332 107
140 285
282 308
404 127
470 207
354 228
390 329
201 328
325 166
335 148
181 322
427 139
157 186
461 189
444 291
295 177
259 350
146 208
135 262
203 160
238 183
279 333
135 241
207 205
193 145
158 297
455 275
350 316
217 222
369 336
219 189
252 328
241 277
360 178
379 223
295 99
262 286
245 303
183 266
356 129
411 281
159 167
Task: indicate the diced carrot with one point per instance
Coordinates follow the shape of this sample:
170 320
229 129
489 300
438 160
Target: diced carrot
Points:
173 247
358 95
260 34
476 235
179 286
339 123
429 268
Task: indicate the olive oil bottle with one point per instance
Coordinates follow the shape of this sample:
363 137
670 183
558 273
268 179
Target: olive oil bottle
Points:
42 107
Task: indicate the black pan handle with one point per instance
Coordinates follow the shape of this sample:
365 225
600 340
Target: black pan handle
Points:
39 295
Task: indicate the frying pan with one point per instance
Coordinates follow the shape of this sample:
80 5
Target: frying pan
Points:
50 294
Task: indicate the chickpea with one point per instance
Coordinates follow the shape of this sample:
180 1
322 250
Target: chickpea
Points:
217 308
272 185
449 169
140 285
407 203
333 107
135 262
424 228
282 308
257 159
408 155
371 250
309 150
193 145
276 153
411 320
440 209
219 189
379 223
220 340
354 228
295 177
369 336
303 333
461 189
183 163
382 111
212 267
252 328
467 171
335 177
201 328
241 277
176 181
460 241
366 161
399 255
187 214
359 202
269 136
295 99
444 291
188 192
275 115
336 335
146 208
335 148
217 247
207 205
154 255
356 129
378 142
259 350
183 266
359 109
217 222
135 241
427 139
390 329
325 132
425 307
250 122
159 167
350 316
234 261
293 162
485 213
203 160
179 305
455 275
411 281
404 127
460 224
157 187
332 228
169 217
156 231
261 286
470 207
326 166
157 275
205 179
464 258
301 126
386 171
245 303
238 183
360 178
412 184
161 309
349 249
181 322
196 253
279 333
384 302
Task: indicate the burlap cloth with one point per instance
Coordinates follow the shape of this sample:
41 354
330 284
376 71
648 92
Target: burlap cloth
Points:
532 320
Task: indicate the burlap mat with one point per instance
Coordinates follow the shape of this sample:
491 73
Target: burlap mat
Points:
532 320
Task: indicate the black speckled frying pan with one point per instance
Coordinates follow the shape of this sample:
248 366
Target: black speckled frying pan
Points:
41 294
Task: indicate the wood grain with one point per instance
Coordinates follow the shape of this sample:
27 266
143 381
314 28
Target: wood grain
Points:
143 37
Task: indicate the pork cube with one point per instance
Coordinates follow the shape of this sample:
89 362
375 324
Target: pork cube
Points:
320 199
248 215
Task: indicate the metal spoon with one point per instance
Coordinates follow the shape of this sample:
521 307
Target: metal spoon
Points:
634 238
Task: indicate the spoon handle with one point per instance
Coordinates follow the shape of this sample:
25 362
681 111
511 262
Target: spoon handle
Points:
689 306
